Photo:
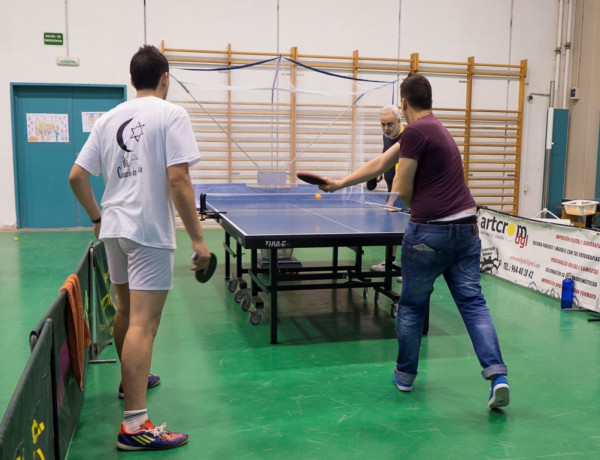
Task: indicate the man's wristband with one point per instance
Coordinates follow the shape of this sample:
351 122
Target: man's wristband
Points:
97 221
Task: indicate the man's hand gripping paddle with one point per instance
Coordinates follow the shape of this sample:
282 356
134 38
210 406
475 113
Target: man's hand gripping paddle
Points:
203 276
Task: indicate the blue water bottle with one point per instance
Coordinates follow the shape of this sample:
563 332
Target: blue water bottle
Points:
566 298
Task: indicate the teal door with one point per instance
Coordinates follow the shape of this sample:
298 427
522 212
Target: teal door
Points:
50 125
558 159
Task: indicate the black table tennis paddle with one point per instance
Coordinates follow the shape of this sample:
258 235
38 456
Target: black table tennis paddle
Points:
311 178
372 184
202 276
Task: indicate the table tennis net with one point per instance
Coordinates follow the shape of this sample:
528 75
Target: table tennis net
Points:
284 199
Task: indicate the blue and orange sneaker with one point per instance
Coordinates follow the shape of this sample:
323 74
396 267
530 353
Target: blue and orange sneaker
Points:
150 437
153 380
500 393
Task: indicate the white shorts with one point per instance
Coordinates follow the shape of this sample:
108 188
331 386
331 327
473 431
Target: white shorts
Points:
143 267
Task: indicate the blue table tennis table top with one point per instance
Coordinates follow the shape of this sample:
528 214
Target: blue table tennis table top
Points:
294 217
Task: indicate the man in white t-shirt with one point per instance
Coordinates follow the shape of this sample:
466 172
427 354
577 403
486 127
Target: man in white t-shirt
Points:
143 149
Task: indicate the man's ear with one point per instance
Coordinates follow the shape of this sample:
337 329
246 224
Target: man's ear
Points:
163 85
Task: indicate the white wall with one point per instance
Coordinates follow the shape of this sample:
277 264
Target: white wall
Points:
103 38
584 115
104 35
534 39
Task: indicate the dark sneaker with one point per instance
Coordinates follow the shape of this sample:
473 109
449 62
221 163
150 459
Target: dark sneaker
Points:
500 393
406 387
150 437
153 380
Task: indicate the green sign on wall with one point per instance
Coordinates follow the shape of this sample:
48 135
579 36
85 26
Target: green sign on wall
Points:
53 38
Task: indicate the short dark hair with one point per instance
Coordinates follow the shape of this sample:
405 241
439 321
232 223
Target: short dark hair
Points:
146 67
416 89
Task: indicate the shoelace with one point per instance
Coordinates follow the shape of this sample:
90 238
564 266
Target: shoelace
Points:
159 431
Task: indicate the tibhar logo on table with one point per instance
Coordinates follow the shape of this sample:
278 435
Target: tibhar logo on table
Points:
277 244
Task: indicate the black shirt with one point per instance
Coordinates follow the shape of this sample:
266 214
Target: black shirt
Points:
390 173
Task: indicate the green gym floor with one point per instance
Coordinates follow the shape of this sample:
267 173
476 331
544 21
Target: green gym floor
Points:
325 391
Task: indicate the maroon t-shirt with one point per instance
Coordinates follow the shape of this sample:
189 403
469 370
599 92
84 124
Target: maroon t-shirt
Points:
439 185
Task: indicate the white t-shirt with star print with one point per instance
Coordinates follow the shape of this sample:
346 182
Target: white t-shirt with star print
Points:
132 146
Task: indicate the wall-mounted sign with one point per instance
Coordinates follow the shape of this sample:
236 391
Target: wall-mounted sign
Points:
53 39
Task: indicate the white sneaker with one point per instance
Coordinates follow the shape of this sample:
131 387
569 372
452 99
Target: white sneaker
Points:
380 267
399 279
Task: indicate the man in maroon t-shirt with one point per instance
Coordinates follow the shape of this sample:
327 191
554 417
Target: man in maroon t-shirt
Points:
440 239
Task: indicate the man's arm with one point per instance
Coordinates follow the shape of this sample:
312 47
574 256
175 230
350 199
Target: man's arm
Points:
370 169
395 183
404 180
79 180
395 187
182 193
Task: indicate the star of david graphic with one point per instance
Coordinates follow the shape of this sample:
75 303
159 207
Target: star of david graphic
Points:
136 132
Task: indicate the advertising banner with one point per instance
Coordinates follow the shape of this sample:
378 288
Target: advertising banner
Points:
27 429
105 303
538 255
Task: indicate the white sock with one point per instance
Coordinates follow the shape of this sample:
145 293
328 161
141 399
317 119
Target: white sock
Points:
133 419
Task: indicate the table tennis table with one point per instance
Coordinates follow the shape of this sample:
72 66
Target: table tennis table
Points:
272 221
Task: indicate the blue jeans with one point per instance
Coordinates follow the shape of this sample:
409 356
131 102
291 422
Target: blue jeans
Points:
429 251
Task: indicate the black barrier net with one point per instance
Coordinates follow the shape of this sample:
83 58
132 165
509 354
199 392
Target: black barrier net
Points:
44 410
104 300
27 429
67 395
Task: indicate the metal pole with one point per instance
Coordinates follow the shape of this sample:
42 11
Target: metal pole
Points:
549 129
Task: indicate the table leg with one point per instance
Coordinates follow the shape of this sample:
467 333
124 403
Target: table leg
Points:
358 259
238 260
273 268
335 260
388 267
227 256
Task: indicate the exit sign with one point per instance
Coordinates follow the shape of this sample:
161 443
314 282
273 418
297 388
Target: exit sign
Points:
53 39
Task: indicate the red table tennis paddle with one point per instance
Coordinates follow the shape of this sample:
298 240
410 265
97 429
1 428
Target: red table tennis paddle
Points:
311 178
203 276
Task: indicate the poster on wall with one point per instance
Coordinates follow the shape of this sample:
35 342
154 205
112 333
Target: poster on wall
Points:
88 119
47 127
538 255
